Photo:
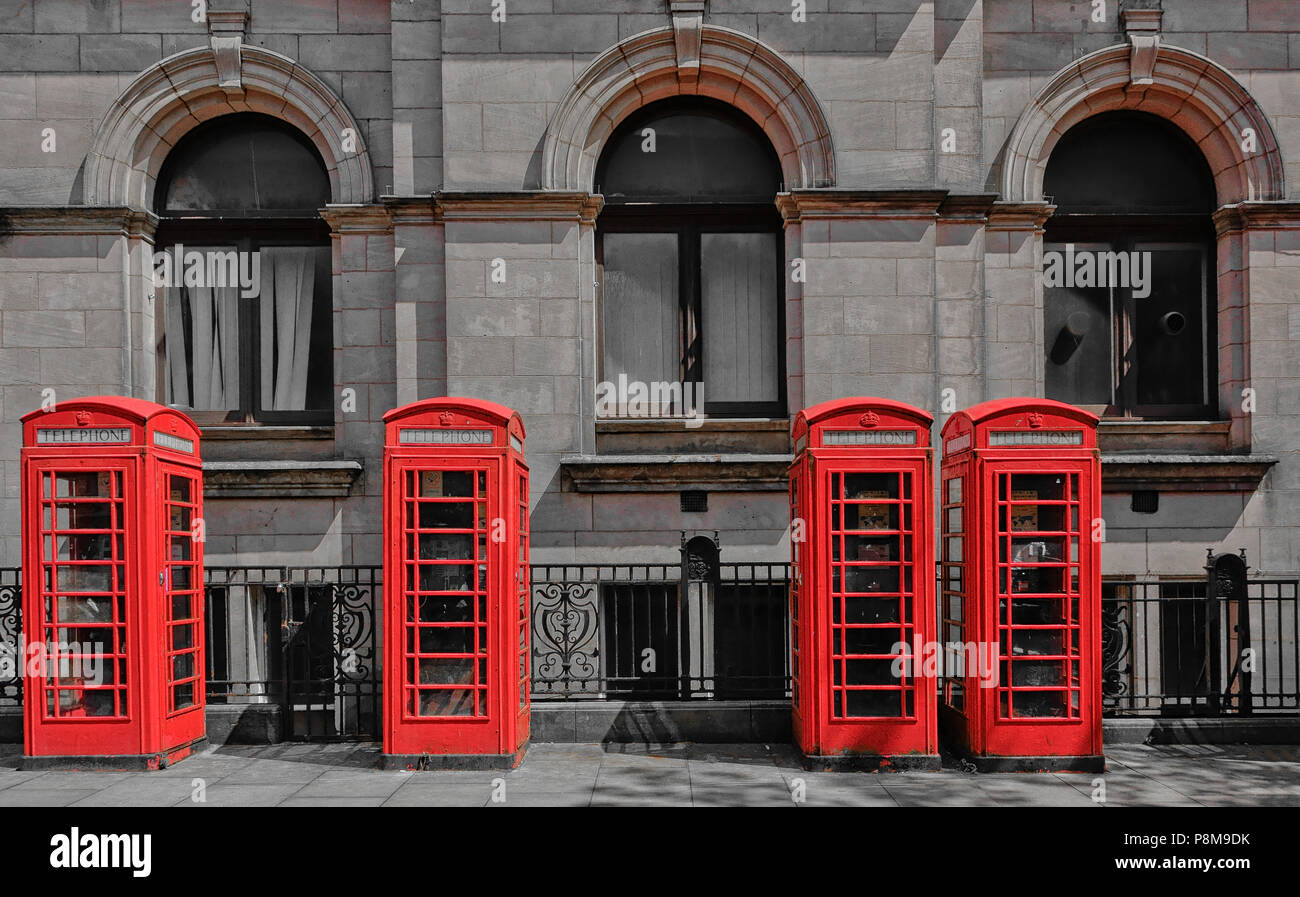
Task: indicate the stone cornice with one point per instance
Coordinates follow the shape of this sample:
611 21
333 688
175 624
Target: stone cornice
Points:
675 472
358 218
1020 215
78 220
411 209
967 206
834 203
523 205
1245 215
1182 473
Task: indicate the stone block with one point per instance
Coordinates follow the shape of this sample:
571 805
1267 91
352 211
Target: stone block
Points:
101 368
545 355
301 16
888 314
363 16
492 317
346 52
417 40
44 328
1238 51
862 125
1027 52
527 395
119 52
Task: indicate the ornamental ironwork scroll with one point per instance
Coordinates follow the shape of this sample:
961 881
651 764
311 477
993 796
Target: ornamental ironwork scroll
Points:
566 638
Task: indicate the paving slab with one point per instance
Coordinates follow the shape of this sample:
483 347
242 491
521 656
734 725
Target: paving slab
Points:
244 795
60 797
414 794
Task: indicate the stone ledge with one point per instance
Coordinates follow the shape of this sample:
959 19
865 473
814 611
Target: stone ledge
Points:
246 434
1142 437
661 722
1234 730
1183 473
673 473
280 479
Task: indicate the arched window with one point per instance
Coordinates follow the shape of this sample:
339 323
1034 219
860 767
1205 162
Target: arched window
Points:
1129 270
690 249
242 271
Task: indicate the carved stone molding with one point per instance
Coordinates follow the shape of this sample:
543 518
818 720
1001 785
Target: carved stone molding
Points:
688 21
1194 93
173 96
733 67
226 30
1143 29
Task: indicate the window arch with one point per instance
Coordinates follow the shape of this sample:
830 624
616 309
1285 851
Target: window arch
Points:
690 253
243 270
1129 270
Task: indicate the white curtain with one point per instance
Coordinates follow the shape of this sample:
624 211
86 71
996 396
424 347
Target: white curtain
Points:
288 280
204 377
640 309
739 308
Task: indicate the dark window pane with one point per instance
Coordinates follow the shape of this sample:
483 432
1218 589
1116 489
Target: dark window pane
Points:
739 317
1128 162
640 311
1078 331
703 152
1169 330
243 164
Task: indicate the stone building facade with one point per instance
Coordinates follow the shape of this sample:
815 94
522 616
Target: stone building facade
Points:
463 143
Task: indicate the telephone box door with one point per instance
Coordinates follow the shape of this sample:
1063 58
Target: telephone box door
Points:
1040 615
83 601
874 612
446 574
862 609
455 569
180 623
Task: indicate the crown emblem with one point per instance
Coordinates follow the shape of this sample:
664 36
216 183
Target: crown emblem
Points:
446 418
870 419
1035 420
83 418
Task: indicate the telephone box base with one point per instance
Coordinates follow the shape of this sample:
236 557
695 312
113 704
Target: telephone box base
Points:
417 762
870 762
1086 763
118 763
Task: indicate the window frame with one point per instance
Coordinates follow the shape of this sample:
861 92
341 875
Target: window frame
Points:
245 235
1130 232
689 222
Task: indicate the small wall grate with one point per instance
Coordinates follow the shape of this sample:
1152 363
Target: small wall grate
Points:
1145 502
695 501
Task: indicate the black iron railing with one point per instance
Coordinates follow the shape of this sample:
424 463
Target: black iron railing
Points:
11 627
645 631
1159 641
309 638
305 638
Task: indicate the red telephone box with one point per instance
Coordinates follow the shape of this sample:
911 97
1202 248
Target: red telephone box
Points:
862 585
456 595
1021 593
112 507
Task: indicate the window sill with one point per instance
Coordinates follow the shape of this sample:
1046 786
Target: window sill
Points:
719 435
723 472
1126 472
280 479
1155 436
235 434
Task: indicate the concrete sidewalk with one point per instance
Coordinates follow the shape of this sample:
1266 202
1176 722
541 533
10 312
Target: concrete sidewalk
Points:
685 775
